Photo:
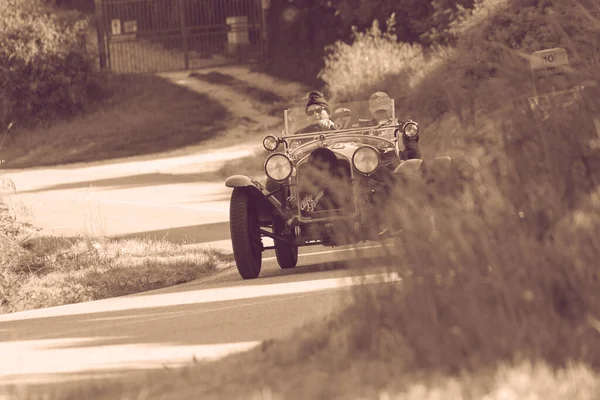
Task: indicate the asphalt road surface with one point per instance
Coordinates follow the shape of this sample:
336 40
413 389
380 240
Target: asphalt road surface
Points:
204 319
168 198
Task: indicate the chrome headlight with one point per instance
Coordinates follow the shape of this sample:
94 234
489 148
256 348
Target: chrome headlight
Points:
278 167
270 143
366 159
410 129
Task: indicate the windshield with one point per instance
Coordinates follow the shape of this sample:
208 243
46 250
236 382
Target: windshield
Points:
346 116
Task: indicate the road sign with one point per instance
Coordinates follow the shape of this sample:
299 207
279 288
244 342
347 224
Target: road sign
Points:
549 58
115 25
130 26
549 70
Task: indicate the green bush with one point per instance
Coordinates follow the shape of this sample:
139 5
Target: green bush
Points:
44 74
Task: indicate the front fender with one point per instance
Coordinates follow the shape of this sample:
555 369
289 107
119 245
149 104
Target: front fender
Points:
268 204
240 181
410 168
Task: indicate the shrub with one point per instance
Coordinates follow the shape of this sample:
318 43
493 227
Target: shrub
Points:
12 230
43 72
371 62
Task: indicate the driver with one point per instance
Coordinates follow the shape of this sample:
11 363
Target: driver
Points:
317 109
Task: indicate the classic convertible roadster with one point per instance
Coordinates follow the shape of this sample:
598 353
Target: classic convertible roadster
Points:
327 188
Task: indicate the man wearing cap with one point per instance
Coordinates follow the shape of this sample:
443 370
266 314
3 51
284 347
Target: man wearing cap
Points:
318 109
380 106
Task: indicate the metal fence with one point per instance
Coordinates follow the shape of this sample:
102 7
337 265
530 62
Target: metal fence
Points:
162 35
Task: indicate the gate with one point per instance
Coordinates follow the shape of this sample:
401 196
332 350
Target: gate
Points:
138 36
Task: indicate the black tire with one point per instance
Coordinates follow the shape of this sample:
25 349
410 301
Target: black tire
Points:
286 253
245 236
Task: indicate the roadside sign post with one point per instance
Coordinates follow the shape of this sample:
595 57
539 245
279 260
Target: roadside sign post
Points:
548 66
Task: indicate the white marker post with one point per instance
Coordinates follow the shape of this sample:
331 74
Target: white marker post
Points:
115 26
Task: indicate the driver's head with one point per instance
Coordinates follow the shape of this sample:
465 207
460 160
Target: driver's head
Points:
317 106
380 105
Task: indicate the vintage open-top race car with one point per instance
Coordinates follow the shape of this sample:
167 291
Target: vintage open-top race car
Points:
327 187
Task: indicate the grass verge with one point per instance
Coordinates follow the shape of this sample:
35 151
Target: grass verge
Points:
46 272
142 114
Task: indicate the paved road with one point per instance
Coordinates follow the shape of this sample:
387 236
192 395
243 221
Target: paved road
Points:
204 319
158 199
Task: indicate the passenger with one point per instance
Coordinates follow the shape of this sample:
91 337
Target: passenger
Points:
380 107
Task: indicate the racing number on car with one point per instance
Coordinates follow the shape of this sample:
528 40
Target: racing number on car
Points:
309 204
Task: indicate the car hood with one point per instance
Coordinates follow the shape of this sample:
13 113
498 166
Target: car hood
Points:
343 146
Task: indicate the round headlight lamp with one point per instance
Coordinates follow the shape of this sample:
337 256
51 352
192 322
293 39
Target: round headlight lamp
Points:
410 129
278 167
270 143
366 160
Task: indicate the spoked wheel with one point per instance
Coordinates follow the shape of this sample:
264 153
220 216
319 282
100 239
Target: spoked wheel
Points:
245 234
285 252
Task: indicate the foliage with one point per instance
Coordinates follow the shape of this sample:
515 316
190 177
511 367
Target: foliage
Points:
52 271
130 120
301 30
365 66
44 73
415 17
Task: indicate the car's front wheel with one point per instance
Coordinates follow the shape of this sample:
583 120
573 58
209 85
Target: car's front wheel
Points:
245 234
285 252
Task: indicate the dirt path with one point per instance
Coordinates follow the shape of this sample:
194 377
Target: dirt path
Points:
252 118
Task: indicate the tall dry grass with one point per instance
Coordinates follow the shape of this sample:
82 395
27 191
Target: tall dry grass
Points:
46 272
38 272
500 265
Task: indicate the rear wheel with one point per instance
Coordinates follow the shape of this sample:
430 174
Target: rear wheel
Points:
285 252
245 234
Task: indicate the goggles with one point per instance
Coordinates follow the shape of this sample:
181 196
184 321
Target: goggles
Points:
317 110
